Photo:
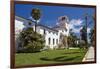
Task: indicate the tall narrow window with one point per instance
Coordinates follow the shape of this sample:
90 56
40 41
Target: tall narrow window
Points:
49 41
56 41
53 41
56 33
44 31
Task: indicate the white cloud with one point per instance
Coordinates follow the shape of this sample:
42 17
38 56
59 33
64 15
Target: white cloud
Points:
77 30
75 22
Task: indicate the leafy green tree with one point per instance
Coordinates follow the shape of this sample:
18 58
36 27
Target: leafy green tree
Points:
83 34
72 39
69 39
30 41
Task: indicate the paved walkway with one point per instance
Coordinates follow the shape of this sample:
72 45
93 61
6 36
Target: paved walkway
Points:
89 55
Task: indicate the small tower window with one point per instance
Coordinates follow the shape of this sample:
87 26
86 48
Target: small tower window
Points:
63 18
30 23
66 30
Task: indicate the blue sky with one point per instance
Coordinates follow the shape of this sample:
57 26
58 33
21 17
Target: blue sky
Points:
50 14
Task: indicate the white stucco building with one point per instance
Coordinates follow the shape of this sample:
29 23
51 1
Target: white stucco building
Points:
52 35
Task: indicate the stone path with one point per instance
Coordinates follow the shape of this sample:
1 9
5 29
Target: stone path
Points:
89 55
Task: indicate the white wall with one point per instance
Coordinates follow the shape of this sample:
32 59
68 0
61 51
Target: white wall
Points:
18 26
52 36
49 34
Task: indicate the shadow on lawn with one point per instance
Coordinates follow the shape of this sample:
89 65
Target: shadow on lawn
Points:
59 59
73 52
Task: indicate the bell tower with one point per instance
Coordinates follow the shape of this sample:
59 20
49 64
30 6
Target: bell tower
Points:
63 21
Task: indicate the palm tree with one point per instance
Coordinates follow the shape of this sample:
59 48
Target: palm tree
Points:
36 14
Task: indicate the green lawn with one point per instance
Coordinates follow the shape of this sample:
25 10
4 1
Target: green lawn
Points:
50 56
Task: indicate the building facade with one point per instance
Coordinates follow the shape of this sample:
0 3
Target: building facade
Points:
51 35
